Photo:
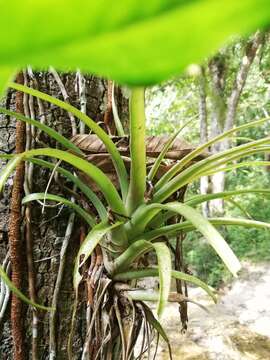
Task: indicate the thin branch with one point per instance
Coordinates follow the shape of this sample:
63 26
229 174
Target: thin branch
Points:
250 53
108 115
204 180
41 110
66 99
82 97
29 111
117 121
57 287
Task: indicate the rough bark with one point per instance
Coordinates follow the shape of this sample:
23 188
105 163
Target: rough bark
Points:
49 228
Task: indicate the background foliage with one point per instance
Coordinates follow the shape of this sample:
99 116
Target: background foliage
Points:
175 102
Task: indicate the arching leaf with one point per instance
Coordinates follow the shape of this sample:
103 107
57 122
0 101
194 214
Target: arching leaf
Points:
110 146
18 293
48 130
105 185
187 226
198 221
90 242
151 272
91 196
140 247
51 197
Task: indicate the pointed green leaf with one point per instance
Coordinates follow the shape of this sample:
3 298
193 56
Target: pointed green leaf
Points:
180 164
203 167
8 169
164 151
51 132
164 273
90 242
109 191
187 226
110 146
151 272
91 196
198 199
18 293
210 233
200 223
104 183
236 166
139 248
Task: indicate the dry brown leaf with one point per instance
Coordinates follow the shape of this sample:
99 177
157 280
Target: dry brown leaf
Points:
154 145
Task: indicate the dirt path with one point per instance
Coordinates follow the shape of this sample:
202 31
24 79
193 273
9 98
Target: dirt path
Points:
238 328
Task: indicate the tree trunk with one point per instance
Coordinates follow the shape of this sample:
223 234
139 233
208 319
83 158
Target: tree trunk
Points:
55 232
224 107
204 180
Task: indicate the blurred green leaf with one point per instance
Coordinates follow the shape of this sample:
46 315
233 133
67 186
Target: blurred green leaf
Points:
6 73
131 41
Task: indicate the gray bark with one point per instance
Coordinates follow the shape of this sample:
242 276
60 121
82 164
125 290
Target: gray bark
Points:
204 180
224 108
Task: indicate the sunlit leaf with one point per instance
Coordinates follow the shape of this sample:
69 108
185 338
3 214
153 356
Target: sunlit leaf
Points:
198 221
5 75
187 226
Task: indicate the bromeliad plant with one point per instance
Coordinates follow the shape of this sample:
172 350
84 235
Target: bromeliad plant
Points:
135 221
